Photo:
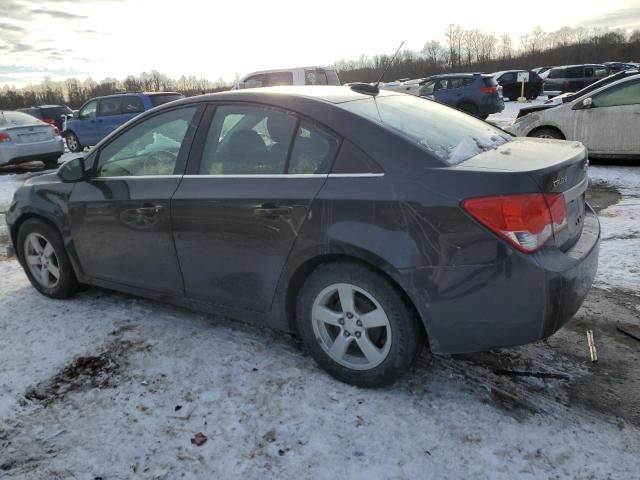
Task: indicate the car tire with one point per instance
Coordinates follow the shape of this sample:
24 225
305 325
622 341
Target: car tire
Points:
469 108
44 259
547 133
337 337
72 142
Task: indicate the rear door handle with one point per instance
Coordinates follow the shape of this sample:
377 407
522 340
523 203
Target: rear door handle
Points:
149 209
269 211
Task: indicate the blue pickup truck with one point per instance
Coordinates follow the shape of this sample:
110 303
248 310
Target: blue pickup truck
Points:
99 116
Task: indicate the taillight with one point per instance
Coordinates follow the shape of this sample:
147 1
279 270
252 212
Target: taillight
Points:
526 221
50 121
4 137
488 89
56 132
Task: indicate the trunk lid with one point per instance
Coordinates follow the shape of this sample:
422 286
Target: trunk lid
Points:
24 134
556 166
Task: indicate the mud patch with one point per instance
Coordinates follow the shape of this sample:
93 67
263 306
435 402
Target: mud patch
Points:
602 195
85 373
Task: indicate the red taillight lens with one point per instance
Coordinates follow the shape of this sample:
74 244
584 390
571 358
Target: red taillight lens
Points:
50 121
526 221
488 89
4 137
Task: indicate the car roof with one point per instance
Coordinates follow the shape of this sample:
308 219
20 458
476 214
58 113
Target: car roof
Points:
453 75
151 94
580 65
325 93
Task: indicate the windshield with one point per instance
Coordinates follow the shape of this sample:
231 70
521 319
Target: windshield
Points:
450 135
14 119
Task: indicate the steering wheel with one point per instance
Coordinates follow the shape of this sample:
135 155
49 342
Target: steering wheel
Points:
161 162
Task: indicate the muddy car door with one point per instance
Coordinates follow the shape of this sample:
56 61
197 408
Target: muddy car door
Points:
607 123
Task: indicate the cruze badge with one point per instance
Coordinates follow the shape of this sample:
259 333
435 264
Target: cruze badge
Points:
559 181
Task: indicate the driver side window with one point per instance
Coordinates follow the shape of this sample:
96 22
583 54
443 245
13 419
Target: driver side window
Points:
149 148
625 94
89 110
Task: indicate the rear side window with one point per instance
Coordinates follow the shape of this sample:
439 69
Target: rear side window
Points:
601 72
313 150
468 82
449 135
12 119
132 104
508 77
575 72
165 98
109 106
456 83
557 73
588 72
315 77
247 140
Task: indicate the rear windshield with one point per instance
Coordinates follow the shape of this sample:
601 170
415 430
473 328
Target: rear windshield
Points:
160 99
490 81
55 112
14 119
449 134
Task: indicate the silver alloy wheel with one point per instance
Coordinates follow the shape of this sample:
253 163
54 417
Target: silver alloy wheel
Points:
72 142
351 326
546 136
42 260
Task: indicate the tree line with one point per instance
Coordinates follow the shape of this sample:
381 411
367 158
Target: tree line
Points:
470 50
474 50
74 92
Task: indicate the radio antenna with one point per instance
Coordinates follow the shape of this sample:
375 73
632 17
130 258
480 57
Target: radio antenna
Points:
389 64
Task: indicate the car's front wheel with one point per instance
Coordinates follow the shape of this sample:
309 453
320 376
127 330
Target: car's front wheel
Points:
357 326
547 133
73 144
45 260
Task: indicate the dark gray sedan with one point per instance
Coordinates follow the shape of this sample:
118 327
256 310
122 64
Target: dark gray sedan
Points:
365 221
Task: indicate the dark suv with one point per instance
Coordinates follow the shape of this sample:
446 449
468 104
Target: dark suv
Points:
51 114
572 78
476 94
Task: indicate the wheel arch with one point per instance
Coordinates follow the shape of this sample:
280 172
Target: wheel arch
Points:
15 228
297 278
546 127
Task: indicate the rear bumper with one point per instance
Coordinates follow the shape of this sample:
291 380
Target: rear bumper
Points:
11 153
521 300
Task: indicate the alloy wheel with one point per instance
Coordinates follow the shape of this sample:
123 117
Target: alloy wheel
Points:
42 260
351 326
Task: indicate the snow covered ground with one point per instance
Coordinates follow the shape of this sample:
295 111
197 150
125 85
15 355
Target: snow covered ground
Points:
110 386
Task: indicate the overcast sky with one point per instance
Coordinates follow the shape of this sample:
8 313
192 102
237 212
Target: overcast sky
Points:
216 39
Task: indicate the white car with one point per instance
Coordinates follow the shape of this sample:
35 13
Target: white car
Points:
290 76
606 120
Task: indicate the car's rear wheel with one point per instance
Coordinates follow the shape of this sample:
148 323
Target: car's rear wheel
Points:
469 108
357 326
73 144
547 133
45 260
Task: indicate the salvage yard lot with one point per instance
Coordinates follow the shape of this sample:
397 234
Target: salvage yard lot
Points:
110 386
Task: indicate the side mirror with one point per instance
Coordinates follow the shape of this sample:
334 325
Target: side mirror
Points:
584 104
72 171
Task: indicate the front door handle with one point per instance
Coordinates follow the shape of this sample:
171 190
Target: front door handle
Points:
272 211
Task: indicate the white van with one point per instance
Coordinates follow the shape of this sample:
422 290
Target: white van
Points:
290 76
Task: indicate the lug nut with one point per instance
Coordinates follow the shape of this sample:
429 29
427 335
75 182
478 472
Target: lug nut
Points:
346 333
359 323
358 334
341 321
349 315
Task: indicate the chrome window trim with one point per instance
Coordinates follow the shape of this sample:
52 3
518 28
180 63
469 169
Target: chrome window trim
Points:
267 175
